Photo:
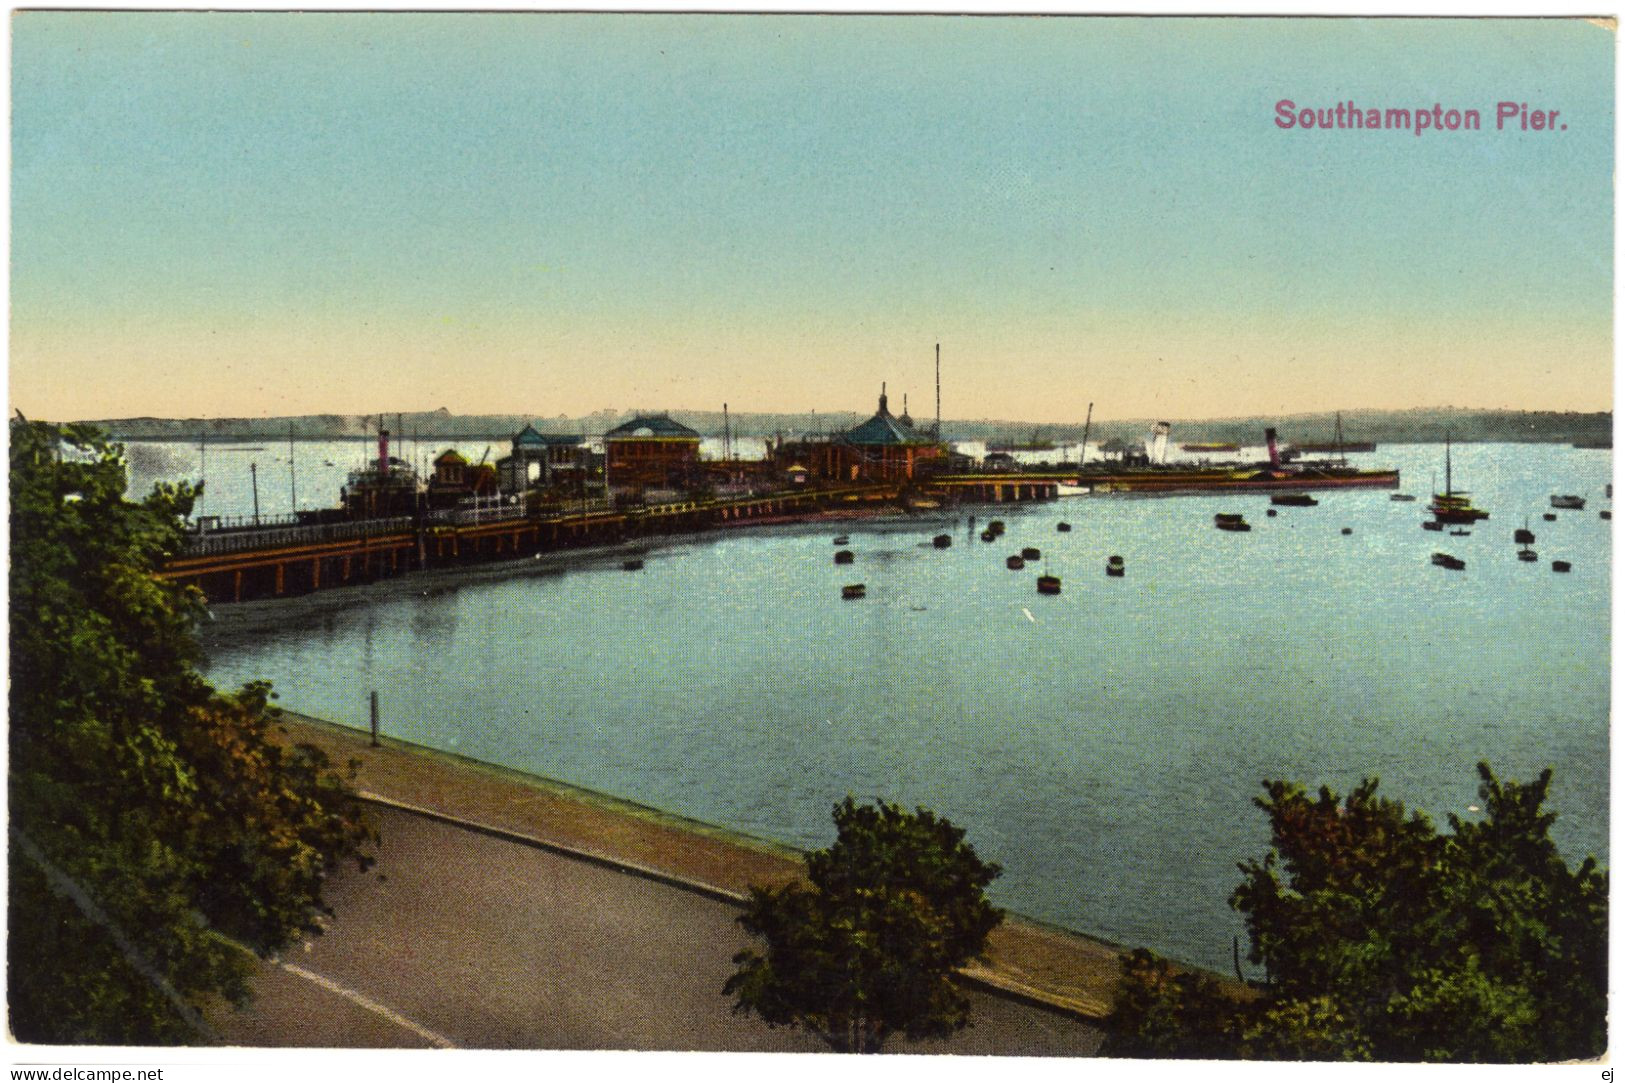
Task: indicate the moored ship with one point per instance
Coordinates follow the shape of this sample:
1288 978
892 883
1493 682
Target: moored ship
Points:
1271 475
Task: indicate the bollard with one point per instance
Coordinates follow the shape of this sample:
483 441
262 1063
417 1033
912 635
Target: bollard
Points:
375 719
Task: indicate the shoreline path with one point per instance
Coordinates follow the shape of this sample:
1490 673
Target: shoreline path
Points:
507 911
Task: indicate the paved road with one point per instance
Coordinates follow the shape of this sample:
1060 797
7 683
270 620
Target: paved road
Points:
457 938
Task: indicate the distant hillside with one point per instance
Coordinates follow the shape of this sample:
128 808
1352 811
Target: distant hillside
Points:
1377 426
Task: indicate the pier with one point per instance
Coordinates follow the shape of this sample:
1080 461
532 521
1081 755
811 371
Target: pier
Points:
280 560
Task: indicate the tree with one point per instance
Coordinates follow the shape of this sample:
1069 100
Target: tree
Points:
1383 939
868 946
152 817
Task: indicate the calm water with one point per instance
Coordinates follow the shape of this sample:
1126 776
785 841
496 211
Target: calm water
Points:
1104 746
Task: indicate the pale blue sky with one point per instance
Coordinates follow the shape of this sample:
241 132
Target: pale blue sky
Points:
293 213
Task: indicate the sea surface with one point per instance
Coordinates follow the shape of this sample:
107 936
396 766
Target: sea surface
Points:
1104 746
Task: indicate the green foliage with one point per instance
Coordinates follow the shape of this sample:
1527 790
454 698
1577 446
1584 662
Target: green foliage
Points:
1383 939
868 946
1164 1012
177 810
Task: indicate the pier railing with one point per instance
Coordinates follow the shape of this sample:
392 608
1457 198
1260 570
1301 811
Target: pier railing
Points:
207 524
237 541
483 513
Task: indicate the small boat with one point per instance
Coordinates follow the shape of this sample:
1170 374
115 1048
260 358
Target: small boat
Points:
1014 563
1432 524
632 565
1452 505
1523 535
1114 566
842 540
1445 560
1030 553
1550 517
1528 556
988 535
1560 565
1270 512
1063 527
1233 523
852 590
843 556
1293 500
1569 502
996 526
1349 530
1404 498
942 541
1460 532
1605 514
1049 584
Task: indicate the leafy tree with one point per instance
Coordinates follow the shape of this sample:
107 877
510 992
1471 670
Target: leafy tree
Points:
867 947
1162 1011
1383 939
151 816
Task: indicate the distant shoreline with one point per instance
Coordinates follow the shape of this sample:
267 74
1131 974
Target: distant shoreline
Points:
1419 426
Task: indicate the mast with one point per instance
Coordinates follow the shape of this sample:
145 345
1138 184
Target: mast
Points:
293 479
1083 448
937 433
1447 489
726 439
1342 458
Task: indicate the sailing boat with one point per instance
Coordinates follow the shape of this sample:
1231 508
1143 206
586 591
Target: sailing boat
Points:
1451 506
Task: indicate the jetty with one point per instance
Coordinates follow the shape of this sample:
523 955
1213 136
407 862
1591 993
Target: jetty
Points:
237 561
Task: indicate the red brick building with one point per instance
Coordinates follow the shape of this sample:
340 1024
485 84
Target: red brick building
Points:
884 448
651 452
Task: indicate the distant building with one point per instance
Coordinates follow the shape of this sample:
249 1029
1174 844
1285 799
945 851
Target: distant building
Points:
651 452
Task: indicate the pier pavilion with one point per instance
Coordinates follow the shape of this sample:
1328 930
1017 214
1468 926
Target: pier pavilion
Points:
541 460
650 452
882 449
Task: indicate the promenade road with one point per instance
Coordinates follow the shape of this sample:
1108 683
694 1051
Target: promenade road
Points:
459 938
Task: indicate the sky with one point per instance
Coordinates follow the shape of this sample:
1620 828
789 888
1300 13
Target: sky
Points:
236 214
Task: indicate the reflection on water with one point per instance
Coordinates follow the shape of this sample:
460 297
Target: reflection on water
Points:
1103 745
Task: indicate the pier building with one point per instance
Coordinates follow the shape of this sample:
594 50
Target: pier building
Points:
455 480
543 461
651 451
884 450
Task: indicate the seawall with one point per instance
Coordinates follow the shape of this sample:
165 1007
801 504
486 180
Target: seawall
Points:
1027 960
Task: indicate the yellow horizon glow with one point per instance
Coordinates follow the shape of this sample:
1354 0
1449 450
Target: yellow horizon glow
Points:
1128 372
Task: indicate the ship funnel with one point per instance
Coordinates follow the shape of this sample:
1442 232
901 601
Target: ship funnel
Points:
1269 442
383 452
1159 442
